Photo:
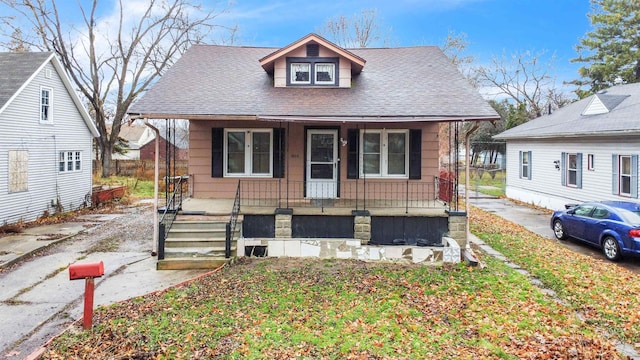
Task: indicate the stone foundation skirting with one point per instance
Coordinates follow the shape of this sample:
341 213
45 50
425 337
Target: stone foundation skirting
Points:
351 249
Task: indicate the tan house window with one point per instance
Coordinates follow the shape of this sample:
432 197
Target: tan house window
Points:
385 153
248 152
18 170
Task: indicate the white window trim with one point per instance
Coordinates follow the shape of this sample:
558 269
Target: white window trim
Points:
326 82
524 165
384 154
248 155
75 155
569 170
622 175
50 105
293 80
590 162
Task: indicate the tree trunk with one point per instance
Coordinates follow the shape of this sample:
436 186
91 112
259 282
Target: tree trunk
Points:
106 161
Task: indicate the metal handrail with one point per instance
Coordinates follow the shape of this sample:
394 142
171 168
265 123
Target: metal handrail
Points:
230 228
403 194
174 204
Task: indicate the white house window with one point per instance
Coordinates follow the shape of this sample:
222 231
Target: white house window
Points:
18 170
625 175
69 161
590 162
384 153
248 152
45 105
525 165
312 71
572 169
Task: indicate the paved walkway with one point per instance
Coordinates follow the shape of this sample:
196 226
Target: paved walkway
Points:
37 299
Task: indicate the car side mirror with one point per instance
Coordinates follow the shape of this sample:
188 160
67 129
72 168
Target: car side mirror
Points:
571 212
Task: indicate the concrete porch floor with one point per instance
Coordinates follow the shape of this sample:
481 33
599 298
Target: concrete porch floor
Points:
221 207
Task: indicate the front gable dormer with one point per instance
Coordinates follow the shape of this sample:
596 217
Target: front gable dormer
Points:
312 62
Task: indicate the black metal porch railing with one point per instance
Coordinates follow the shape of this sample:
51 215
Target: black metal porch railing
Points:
353 194
230 227
174 204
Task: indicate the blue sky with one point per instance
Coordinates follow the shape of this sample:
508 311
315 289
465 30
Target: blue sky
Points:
492 27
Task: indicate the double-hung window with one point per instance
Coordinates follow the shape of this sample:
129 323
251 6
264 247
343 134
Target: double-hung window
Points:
312 71
45 105
248 152
69 161
571 170
384 153
625 175
525 165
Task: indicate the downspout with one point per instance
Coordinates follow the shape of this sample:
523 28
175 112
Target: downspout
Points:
154 248
467 148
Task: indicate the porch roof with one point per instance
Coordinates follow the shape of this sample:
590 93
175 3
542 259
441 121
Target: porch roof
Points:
214 82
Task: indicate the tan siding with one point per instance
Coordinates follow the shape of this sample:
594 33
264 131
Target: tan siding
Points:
207 187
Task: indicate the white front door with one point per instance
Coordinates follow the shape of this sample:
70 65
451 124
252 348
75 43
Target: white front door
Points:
322 164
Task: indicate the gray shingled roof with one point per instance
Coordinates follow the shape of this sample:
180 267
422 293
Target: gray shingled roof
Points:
622 119
16 69
395 82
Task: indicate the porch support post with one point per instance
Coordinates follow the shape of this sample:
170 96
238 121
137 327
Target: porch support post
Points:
458 227
283 223
362 226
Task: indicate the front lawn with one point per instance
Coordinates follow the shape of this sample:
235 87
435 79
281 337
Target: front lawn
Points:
605 294
335 309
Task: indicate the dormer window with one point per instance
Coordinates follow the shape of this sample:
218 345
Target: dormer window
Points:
300 73
312 71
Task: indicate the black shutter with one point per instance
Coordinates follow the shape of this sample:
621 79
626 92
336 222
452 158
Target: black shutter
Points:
217 152
415 154
353 137
278 152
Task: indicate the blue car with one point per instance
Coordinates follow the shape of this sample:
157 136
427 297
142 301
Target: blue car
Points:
613 226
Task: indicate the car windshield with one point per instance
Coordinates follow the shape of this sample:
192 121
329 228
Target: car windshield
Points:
630 217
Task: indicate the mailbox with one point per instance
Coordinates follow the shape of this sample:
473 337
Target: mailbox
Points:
87 270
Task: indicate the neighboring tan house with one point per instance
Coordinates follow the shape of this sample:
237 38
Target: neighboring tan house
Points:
585 151
318 141
46 139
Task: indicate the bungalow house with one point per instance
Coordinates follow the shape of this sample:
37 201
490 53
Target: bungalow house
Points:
585 151
314 141
46 139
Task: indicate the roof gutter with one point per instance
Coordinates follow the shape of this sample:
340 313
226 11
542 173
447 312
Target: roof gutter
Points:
335 119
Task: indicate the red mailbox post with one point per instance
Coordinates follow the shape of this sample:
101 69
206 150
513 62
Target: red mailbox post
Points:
87 271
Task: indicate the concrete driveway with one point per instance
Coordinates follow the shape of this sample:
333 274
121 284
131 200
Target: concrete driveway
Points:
538 221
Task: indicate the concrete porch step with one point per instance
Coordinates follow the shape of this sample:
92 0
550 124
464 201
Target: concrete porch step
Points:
197 251
183 242
199 225
190 263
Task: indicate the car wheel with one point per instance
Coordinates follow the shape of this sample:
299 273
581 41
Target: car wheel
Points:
610 248
558 230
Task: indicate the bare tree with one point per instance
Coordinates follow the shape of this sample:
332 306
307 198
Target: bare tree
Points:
112 61
524 79
362 30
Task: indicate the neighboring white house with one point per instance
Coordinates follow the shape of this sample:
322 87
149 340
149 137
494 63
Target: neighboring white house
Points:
134 136
587 150
45 139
